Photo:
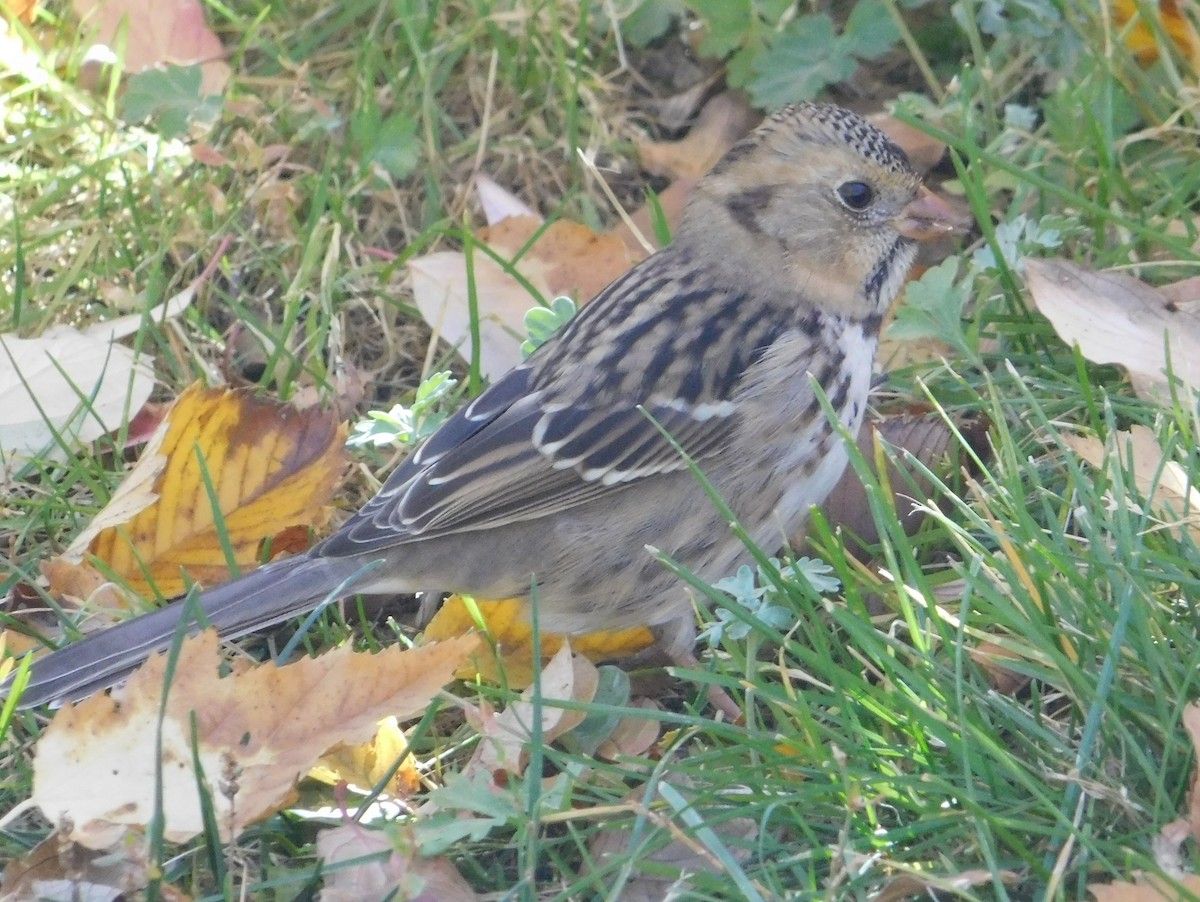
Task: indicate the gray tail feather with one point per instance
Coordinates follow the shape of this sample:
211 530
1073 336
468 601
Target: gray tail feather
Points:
269 595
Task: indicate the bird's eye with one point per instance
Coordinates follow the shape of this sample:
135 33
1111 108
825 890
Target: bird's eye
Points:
856 195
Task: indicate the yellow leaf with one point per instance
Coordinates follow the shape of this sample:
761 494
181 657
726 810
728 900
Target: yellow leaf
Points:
508 624
273 468
1141 38
365 765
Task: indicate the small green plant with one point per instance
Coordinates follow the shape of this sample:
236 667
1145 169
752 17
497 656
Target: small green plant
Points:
761 595
169 99
775 54
409 425
542 322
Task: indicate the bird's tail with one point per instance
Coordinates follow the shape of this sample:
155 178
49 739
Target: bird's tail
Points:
270 595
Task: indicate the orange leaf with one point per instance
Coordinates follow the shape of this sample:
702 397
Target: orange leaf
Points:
1141 38
272 467
22 10
508 624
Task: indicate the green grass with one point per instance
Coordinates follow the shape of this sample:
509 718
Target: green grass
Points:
876 744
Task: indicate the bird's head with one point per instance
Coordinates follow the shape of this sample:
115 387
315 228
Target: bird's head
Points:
821 195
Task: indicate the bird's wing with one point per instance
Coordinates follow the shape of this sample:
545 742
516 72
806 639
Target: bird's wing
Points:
569 426
530 461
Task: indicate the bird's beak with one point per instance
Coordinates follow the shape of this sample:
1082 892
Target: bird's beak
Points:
928 216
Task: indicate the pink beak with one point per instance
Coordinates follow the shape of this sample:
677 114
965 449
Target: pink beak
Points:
928 216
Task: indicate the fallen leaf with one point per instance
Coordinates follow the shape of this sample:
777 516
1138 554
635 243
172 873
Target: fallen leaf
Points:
1191 723
64 389
922 150
1141 38
1117 319
662 873
930 441
991 658
392 875
504 739
22 10
1184 294
59 869
257 732
632 736
272 468
722 121
567 258
930 886
1165 484
671 203
441 289
364 766
83 586
157 33
507 622
1168 843
498 204
564 258
1148 888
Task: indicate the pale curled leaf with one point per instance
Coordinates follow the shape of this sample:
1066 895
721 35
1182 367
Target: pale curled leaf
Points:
499 204
391 875
69 384
1164 483
505 738
1117 319
257 732
913 886
441 291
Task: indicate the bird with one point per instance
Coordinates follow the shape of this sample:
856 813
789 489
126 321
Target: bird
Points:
556 485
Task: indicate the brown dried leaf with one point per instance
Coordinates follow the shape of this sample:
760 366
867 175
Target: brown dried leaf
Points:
912 886
671 202
929 440
721 123
272 468
257 732
1142 37
990 656
566 259
663 873
923 151
632 736
1191 723
60 869
22 10
1148 888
